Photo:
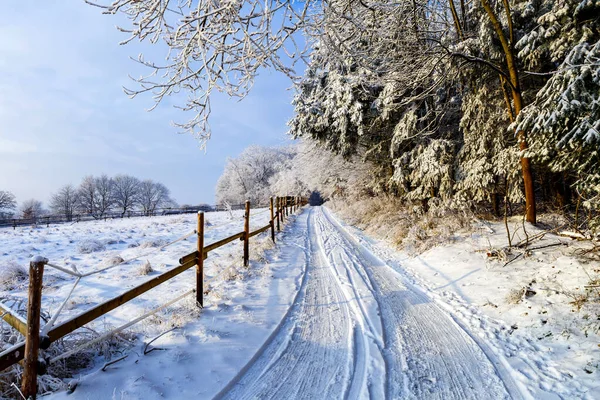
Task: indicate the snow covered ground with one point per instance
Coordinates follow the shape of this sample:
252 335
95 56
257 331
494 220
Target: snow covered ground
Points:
535 313
92 245
328 313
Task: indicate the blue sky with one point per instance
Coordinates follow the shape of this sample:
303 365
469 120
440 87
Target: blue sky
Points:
63 114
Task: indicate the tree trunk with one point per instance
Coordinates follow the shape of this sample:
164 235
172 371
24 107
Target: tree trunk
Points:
530 212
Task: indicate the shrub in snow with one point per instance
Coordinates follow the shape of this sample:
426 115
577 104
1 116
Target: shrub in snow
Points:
115 260
114 241
515 296
12 274
259 247
145 268
88 246
153 243
231 274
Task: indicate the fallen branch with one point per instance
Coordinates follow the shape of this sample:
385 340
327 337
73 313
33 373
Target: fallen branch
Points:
114 361
573 235
146 351
548 245
513 259
525 243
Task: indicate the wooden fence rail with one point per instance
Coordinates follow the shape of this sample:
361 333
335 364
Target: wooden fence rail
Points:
114 214
279 210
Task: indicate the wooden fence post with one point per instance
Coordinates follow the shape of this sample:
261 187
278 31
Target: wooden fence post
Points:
200 261
272 220
247 234
278 203
32 341
281 212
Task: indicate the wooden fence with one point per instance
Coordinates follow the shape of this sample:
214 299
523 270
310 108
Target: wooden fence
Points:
280 208
113 214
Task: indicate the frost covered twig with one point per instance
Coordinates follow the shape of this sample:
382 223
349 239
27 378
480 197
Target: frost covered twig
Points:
211 46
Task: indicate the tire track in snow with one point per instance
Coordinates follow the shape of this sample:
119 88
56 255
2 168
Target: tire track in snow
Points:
357 329
438 358
314 354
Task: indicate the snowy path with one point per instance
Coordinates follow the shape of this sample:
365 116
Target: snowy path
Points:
357 329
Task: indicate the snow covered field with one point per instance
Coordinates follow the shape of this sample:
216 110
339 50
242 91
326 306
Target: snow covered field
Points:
94 245
328 313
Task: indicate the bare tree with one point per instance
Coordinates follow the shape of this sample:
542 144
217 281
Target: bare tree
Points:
65 201
32 209
87 195
153 195
126 192
95 195
104 186
7 202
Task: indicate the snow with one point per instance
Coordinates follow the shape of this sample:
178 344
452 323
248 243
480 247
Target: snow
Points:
549 346
327 313
239 300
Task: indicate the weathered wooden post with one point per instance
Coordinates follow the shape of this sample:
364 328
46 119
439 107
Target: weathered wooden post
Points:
200 261
278 202
247 234
272 220
32 341
281 209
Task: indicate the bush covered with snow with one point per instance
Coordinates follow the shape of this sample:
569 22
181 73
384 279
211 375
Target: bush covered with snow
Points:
153 243
145 268
88 246
12 275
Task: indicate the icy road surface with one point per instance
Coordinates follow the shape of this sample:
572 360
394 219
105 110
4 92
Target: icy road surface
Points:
358 330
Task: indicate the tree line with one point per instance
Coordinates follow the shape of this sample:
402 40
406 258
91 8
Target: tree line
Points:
492 103
95 196
304 168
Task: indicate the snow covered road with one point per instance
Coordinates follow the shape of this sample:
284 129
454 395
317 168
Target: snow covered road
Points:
358 329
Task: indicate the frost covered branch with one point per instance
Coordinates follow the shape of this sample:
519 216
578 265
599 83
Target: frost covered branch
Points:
212 45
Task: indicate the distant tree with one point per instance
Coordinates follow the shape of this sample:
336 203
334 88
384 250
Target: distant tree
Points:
153 195
86 194
31 209
65 201
105 198
126 192
248 176
96 195
8 203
